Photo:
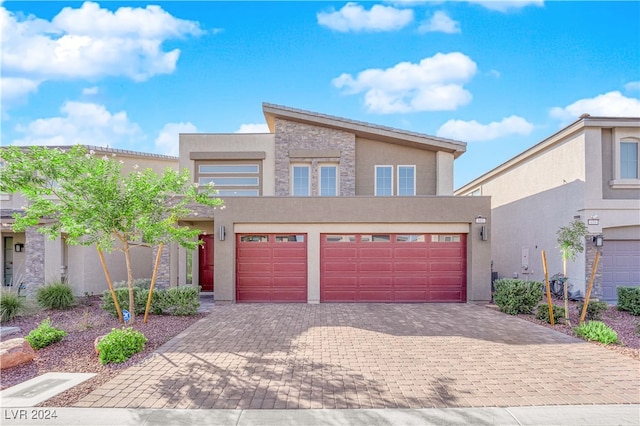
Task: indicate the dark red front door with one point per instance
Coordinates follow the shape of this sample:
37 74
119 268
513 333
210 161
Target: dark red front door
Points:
206 262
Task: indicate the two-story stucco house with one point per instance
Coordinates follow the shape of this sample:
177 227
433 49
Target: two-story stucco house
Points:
588 170
31 259
325 209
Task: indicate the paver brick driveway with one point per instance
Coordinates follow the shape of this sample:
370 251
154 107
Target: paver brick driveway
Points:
370 356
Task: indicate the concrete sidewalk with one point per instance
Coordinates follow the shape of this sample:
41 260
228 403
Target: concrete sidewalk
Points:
593 415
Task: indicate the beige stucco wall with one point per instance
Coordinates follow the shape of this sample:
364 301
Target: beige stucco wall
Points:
353 214
530 202
371 153
229 143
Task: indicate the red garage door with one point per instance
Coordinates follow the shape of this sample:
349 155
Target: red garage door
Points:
271 268
393 268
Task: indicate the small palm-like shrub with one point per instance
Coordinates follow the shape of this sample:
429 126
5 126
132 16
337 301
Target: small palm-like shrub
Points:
44 335
55 296
515 296
120 345
543 313
10 305
597 331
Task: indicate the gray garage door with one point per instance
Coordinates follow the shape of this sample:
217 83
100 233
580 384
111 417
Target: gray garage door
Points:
620 267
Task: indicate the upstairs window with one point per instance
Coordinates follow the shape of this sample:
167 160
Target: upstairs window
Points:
628 160
384 180
230 179
406 180
300 182
328 180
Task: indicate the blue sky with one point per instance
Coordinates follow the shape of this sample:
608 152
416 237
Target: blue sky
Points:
500 76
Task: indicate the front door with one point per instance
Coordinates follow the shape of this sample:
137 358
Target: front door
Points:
205 257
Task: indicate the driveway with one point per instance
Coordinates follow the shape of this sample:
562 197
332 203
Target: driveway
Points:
370 356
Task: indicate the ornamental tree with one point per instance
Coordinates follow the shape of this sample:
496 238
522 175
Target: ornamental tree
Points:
570 243
90 200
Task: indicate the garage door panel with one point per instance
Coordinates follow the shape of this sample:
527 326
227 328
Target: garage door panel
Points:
445 252
411 266
620 266
444 295
395 270
375 252
375 267
271 270
375 296
339 251
446 266
410 253
340 266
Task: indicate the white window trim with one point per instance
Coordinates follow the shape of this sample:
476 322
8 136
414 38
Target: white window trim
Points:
398 179
375 179
335 166
618 182
308 167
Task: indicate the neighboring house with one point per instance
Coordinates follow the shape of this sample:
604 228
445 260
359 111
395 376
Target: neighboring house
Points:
31 259
588 170
325 209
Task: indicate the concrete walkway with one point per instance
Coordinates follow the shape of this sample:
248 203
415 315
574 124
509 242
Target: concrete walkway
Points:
370 356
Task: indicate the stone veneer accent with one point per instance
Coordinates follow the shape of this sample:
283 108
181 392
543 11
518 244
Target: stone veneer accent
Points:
34 261
590 258
163 279
297 136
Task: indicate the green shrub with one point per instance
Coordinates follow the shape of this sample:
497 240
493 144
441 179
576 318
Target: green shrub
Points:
515 296
595 309
173 301
55 296
140 297
543 313
44 335
629 299
597 331
138 282
179 300
10 305
120 345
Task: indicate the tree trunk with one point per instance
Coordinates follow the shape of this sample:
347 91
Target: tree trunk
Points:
153 282
566 293
110 284
132 301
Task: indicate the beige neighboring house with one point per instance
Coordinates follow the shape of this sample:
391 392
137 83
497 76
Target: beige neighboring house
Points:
31 259
326 209
588 170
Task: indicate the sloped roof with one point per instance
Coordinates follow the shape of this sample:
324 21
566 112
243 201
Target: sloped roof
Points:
550 142
362 129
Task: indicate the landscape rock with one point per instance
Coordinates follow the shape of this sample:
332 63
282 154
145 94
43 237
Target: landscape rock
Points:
15 352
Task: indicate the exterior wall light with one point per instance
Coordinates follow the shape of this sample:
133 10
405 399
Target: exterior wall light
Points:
598 240
222 232
18 247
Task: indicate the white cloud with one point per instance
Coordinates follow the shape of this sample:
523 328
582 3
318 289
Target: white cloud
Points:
494 73
612 104
353 17
81 123
632 86
440 22
472 131
90 90
167 141
253 128
507 6
13 88
90 42
433 84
